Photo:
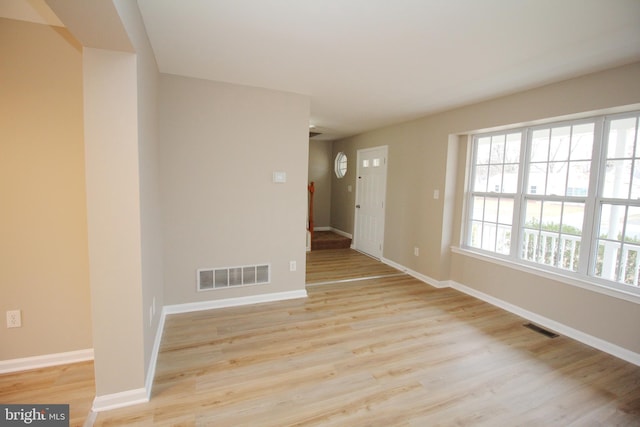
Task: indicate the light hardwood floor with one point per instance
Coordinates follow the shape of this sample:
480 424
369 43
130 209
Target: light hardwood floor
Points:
333 265
386 351
66 384
379 352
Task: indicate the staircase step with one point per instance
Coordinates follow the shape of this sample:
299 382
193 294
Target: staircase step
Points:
329 240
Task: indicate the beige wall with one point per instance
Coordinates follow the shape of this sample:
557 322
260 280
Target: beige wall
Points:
43 224
343 201
113 213
219 146
320 172
149 169
425 155
601 316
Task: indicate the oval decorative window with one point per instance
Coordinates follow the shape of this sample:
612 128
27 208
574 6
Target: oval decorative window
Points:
341 165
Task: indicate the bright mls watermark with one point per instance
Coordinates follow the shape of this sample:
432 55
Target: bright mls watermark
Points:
34 415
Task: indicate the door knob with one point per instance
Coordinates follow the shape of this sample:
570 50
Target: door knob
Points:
358 206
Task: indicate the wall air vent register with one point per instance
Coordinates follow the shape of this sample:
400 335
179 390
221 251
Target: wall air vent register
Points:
231 277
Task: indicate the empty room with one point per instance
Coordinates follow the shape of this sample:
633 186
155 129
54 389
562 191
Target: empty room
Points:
320 212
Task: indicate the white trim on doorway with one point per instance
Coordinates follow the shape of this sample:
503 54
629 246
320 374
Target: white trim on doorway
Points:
369 211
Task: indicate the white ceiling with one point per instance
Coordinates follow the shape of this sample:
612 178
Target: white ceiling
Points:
369 63
35 11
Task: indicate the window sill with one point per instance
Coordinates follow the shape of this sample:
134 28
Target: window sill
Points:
584 284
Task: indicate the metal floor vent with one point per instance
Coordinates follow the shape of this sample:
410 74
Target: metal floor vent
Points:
540 330
228 277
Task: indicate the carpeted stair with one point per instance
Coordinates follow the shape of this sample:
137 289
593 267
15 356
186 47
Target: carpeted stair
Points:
329 240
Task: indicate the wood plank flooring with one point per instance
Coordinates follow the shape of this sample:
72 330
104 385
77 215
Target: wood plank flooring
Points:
332 265
390 351
71 384
380 352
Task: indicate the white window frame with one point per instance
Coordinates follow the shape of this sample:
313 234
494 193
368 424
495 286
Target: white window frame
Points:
494 194
601 199
340 165
589 200
585 272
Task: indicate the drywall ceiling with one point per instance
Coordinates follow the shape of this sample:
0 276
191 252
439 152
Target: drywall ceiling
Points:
370 63
35 11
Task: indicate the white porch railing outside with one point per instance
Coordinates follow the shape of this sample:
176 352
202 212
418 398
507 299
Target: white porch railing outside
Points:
546 247
549 248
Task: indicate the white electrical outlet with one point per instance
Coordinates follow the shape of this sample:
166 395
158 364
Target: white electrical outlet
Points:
416 251
14 319
292 266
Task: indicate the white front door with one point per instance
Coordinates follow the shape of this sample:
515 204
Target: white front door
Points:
371 184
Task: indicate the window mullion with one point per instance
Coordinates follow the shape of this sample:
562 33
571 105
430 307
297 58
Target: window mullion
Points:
517 234
471 193
589 249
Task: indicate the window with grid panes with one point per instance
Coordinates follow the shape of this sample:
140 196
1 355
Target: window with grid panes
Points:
495 176
563 196
618 205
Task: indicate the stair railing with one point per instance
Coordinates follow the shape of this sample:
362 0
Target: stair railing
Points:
311 189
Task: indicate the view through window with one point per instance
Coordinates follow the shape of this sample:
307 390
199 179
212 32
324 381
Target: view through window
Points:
564 196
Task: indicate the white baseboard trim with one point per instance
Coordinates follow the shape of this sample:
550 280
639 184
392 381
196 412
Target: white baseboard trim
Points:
91 419
198 306
561 328
340 232
151 372
27 363
119 400
232 302
426 279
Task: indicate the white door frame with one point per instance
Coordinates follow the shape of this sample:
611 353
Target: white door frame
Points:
383 190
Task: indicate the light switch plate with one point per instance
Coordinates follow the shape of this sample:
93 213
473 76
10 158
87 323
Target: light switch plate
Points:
279 177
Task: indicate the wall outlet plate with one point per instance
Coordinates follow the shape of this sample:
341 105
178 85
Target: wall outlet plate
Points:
14 319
